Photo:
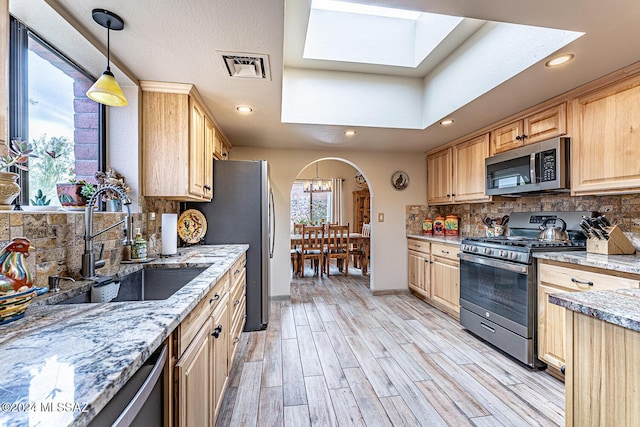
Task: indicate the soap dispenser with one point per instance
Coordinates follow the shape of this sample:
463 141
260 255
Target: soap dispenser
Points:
139 247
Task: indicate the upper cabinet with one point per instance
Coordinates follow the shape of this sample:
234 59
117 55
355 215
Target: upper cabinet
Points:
606 140
457 173
178 140
537 127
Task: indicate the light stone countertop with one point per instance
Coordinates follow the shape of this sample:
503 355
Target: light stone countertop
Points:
622 263
452 240
84 353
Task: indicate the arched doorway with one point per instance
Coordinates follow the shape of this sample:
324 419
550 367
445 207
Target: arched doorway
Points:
332 190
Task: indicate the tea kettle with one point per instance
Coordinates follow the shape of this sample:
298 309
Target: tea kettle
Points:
551 233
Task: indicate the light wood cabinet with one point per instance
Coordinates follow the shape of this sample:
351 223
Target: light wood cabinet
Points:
219 350
434 274
601 387
361 209
545 124
177 142
606 142
555 278
237 306
193 376
457 174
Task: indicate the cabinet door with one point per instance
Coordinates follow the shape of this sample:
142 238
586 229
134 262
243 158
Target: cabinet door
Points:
193 376
507 137
219 339
469 174
207 159
546 124
445 284
197 143
419 273
606 143
551 329
439 177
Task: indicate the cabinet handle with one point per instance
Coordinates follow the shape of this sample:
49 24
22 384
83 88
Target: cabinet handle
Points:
217 331
236 272
216 297
445 252
448 195
453 195
207 187
580 282
564 368
237 302
236 340
521 137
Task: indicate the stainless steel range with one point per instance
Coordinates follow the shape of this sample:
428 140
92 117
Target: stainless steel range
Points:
498 281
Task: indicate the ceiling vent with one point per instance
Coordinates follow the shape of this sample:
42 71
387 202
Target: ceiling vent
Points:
247 66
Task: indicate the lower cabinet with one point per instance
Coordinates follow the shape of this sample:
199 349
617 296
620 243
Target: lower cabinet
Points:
555 278
434 274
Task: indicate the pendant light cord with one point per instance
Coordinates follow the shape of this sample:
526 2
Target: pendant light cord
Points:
108 44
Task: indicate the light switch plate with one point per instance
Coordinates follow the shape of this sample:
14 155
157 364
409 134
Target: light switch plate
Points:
381 217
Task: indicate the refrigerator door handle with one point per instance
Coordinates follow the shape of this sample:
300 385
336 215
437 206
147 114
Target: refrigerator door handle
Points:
272 223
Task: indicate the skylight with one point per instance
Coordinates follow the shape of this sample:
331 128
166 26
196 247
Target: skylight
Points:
350 32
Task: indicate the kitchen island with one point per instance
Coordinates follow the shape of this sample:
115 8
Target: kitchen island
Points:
78 356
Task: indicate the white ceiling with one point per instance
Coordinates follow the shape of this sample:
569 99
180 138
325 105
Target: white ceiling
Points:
180 41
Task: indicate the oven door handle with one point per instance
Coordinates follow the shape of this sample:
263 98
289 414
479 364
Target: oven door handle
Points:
496 263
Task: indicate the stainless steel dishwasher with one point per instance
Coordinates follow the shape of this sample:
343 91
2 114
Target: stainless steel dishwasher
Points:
141 401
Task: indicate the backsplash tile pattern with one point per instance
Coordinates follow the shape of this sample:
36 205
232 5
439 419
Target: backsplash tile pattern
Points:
58 237
623 210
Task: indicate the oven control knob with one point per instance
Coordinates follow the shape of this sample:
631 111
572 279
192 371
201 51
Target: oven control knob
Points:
487 251
504 254
513 255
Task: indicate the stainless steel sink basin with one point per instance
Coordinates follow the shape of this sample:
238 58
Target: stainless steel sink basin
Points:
147 285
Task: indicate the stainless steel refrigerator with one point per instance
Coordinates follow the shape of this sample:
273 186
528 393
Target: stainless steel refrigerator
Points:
241 211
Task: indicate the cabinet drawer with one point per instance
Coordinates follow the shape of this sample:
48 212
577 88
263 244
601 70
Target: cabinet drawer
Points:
189 327
237 325
237 297
445 251
238 271
575 279
419 245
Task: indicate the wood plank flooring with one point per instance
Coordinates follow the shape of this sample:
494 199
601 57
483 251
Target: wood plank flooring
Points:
334 355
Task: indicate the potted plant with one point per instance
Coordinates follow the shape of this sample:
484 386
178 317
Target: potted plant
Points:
113 178
75 194
18 154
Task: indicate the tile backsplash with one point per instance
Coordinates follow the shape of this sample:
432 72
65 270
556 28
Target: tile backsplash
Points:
58 237
623 210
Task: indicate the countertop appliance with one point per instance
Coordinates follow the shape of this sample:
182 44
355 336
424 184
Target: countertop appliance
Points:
538 167
241 212
498 281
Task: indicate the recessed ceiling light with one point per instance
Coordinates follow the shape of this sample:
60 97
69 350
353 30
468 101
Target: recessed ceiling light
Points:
349 132
244 109
446 122
559 60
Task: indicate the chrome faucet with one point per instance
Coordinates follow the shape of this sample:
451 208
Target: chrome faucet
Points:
89 263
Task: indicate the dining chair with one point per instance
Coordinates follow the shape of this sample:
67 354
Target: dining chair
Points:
312 248
295 251
297 228
357 251
338 248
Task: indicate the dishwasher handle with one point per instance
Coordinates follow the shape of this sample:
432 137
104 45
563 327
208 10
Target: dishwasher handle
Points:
133 408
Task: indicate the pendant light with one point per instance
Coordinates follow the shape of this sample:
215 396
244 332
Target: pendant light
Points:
106 89
317 184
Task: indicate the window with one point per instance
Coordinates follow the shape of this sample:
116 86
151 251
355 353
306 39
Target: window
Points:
49 108
308 208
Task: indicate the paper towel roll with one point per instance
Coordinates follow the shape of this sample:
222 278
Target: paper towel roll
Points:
169 234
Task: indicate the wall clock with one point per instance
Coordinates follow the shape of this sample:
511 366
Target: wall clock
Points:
360 181
400 180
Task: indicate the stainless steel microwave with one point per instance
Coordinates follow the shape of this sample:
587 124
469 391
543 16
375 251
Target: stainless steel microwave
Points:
538 167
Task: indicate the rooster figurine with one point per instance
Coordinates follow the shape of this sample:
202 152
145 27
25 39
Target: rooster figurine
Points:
14 276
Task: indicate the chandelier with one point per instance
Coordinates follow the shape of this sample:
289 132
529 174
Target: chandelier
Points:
317 184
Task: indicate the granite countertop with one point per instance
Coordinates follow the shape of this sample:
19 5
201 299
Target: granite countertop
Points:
622 263
80 355
620 307
452 240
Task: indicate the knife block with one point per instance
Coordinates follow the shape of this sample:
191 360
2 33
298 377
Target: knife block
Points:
618 244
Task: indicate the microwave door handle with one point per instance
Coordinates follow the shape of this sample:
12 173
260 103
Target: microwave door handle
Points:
532 168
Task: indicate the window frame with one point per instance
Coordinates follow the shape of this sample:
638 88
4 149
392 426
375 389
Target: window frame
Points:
19 97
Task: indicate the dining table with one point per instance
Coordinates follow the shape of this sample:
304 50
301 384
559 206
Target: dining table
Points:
356 239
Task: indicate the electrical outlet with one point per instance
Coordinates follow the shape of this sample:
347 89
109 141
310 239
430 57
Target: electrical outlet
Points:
152 216
380 217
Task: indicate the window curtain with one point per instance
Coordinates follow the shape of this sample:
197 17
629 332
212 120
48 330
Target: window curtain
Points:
337 201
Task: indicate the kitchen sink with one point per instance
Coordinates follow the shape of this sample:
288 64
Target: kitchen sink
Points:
147 285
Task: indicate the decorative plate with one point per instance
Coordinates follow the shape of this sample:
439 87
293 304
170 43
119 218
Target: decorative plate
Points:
360 181
400 180
192 226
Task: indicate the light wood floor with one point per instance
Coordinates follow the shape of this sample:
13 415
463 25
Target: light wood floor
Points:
336 355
